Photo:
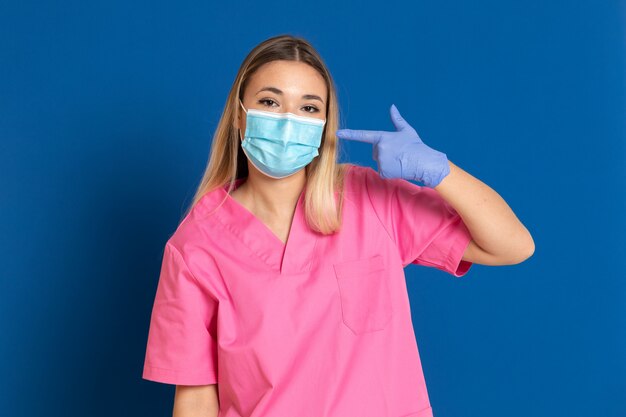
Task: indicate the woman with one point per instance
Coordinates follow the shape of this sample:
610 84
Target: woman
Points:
282 291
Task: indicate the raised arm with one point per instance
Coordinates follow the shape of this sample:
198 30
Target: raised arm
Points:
498 237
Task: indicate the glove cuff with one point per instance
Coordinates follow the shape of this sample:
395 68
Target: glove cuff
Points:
430 174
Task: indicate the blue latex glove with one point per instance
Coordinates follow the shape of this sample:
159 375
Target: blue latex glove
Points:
402 154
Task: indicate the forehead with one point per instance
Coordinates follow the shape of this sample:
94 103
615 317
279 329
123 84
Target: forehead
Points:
292 77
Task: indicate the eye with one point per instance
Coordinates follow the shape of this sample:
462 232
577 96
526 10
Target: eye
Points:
315 109
265 100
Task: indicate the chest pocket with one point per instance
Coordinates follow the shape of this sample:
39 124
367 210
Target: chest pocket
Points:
364 293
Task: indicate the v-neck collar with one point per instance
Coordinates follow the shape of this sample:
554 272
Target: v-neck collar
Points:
293 257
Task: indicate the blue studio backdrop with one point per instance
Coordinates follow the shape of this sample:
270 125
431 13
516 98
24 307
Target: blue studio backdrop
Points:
106 115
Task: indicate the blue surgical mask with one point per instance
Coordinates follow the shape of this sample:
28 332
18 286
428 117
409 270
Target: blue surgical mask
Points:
280 144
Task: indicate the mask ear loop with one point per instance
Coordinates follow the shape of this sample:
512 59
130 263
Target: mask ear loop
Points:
246 111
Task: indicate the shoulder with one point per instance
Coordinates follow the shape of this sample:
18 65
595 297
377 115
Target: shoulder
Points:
357 177
195 236
358 171
397 192
366 185
367 180
368 176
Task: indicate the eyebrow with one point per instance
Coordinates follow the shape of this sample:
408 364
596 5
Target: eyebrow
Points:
280 93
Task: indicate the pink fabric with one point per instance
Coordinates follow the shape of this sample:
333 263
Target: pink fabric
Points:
318 327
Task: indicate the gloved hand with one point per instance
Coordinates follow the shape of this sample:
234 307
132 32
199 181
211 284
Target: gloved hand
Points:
402 154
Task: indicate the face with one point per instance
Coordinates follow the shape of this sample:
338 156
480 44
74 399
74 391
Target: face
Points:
285 86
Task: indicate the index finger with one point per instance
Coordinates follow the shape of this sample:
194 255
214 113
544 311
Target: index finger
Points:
369 136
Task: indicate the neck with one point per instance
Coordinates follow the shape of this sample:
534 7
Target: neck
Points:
274 196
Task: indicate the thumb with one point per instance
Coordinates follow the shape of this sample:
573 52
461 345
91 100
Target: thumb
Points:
397 120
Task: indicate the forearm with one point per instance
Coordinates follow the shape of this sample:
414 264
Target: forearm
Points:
493 225
196 401
187 409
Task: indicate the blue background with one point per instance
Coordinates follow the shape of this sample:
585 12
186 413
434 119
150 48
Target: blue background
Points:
106 116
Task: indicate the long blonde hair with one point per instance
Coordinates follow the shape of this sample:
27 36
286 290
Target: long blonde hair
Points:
324 176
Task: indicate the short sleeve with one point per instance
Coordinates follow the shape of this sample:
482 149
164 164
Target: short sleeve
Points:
426 229
181 347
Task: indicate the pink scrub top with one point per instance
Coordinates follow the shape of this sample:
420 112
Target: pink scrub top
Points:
318 327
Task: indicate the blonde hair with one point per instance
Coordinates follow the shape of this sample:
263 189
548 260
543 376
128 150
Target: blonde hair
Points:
324 176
